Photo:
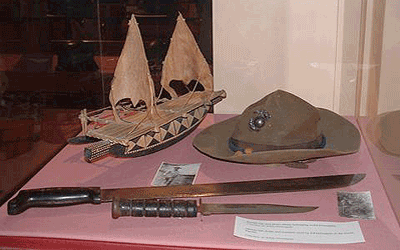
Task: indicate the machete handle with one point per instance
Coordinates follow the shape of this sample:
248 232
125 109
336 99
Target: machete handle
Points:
53 197
154 208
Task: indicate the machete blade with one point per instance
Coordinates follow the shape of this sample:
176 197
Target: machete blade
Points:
234 188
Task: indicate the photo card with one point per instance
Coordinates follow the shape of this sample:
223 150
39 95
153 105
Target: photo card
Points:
172 174
357 205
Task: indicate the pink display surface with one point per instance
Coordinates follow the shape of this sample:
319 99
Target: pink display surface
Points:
93 223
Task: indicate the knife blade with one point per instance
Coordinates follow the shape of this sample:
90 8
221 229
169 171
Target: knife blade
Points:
66 196
189 208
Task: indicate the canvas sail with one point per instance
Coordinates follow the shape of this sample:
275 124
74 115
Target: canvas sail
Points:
132 77
184 60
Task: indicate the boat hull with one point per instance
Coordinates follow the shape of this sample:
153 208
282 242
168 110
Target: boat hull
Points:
150 142
174 131
169 132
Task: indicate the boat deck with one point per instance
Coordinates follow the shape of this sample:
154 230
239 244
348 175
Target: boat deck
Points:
144 122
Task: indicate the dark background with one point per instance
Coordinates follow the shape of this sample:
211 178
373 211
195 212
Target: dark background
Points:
78 30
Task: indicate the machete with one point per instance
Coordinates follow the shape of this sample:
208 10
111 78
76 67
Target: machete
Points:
66 196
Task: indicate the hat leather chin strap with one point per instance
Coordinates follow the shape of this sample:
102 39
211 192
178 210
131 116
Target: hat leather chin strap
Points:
236 145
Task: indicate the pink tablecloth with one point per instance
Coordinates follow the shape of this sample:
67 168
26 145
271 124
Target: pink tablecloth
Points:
94 222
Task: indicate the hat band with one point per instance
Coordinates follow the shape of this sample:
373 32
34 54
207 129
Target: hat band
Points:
236 145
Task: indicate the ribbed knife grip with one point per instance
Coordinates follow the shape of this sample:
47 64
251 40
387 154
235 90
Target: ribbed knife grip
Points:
154 208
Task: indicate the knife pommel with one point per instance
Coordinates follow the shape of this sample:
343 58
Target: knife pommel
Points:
53 197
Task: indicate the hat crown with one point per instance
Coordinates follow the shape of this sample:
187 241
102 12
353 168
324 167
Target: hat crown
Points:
279 119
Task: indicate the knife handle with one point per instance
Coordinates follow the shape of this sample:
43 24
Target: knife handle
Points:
53 197
154 208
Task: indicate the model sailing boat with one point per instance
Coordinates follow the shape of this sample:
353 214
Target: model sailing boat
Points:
148 123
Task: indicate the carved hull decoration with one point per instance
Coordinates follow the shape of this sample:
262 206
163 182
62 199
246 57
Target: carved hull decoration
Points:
138 123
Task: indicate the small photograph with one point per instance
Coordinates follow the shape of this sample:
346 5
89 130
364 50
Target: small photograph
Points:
170 174
356 205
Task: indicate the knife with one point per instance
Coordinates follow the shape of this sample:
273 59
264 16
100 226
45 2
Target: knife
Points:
189 208
66 196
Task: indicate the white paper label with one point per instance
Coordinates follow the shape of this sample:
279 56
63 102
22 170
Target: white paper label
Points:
315 232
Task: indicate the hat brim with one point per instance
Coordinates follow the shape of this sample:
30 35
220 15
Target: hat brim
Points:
342 137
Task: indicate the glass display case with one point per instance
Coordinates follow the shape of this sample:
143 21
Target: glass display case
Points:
379 97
